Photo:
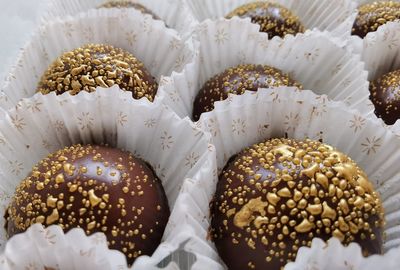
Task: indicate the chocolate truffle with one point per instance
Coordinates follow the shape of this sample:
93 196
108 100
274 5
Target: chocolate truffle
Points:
371 16
93 65
98 189
385 94
129 4
273 18
237 80
275 197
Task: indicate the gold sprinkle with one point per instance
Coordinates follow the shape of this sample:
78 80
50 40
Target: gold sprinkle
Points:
91 225
51 202
39 186
328 212
53 217
304 226
284 192
94 200
314 209
60 178
272 198
322 180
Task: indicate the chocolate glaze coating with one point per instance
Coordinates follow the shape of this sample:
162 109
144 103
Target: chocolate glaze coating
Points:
98 189
273 18
93 65
385 94
129 4
276 196
372 15
237 80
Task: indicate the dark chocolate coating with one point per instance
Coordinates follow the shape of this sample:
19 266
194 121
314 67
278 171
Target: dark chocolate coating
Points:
93 65
275 197
236 81
273 18
385 94
129 4
98 189
372 15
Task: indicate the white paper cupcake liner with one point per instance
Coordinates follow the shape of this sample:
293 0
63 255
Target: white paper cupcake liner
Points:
175 13
52 248
175 148
332 255
160 49
324 15
313 59
241 121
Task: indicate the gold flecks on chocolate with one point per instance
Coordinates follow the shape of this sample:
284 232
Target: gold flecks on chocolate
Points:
93 65
372 15
71 188
276 196
129 4
237 80
385 95
274 19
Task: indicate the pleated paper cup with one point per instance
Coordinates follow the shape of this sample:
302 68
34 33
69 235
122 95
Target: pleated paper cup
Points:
175 13
314 59
241 121
325 15
176 149
39 248
160 49
334 256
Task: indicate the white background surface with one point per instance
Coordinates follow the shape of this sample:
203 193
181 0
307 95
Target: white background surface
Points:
18 20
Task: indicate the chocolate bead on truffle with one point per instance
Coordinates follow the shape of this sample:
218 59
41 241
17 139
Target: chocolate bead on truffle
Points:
236 81
94 65
275 197
273 18
129 4
371 16
385 94
98 189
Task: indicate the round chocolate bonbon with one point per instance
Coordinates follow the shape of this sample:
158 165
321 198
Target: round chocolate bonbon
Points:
372 15
385 94
237 80
98 189
275 197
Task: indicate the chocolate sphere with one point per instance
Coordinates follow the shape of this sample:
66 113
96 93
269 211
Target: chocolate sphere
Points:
93 65
385 94
98 189
273 18
275 197
371 16
129 4
237 80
